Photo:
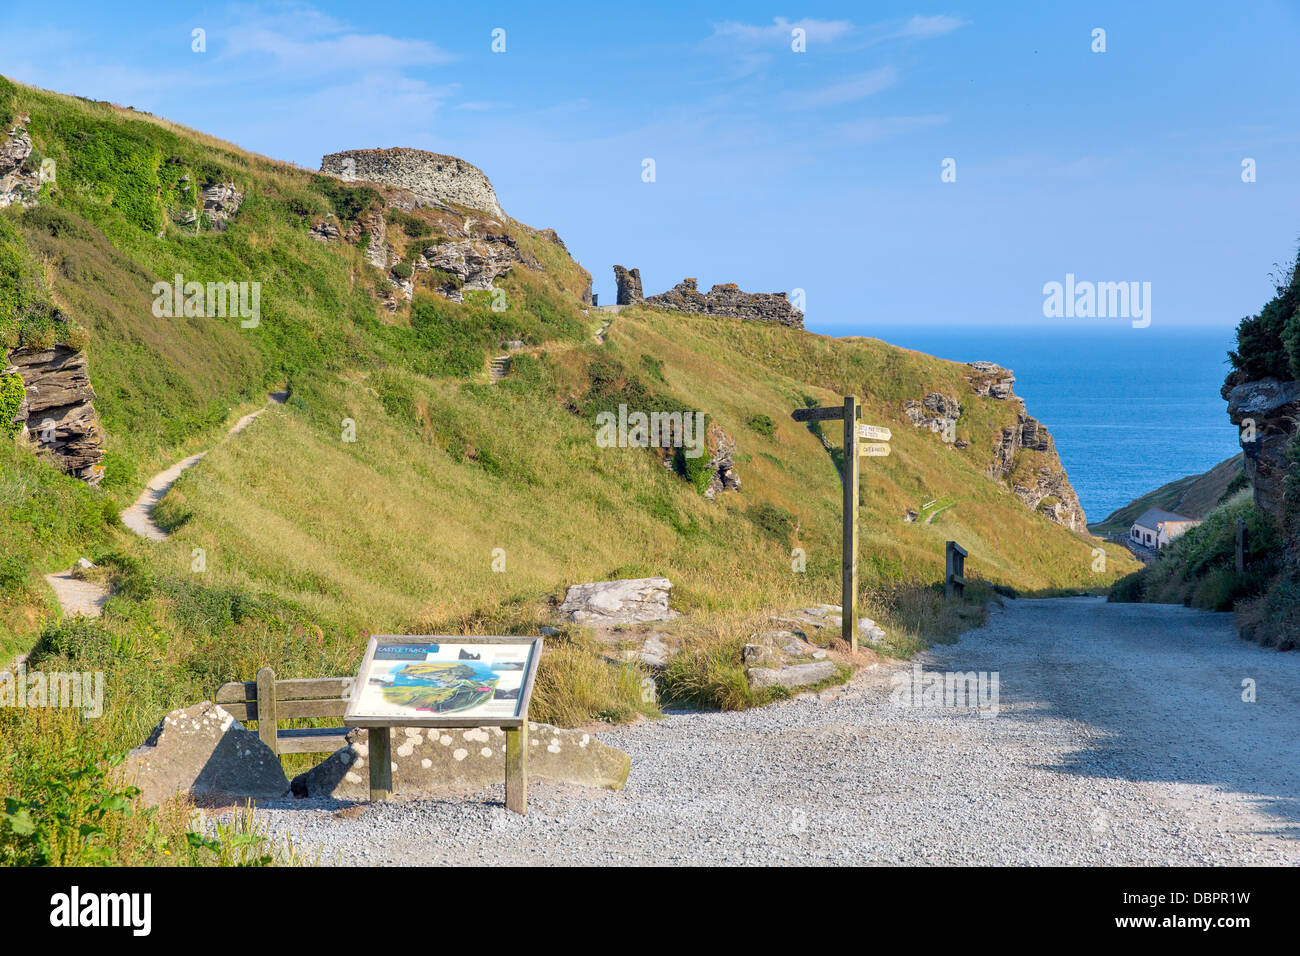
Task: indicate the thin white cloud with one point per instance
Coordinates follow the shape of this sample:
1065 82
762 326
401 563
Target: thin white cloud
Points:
870 130
304 39
926 28
780 30
846 91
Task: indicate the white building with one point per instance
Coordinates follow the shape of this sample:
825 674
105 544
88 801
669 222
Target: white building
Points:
1156 528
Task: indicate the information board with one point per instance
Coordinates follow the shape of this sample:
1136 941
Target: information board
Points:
431 681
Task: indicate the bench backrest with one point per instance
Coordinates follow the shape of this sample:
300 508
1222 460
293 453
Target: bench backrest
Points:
267 700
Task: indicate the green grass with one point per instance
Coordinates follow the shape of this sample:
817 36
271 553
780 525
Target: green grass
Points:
313 541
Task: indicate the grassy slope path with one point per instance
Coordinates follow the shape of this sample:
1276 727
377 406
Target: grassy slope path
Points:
85 597
1122 738
139 517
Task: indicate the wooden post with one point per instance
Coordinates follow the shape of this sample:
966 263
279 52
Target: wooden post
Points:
517 768
849 585
381 763
954 577
1242 545
266 709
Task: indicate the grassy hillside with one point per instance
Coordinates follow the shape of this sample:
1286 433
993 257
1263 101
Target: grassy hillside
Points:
1194 496
311 541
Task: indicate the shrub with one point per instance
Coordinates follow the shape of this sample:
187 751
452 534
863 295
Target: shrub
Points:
63 811
402 270
762 424
12 392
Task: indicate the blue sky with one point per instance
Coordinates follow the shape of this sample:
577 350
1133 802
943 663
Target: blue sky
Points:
775 169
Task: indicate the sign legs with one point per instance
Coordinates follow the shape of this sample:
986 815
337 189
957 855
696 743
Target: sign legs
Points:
381 763
517 768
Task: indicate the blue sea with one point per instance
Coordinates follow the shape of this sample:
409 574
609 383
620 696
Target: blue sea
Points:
1130 409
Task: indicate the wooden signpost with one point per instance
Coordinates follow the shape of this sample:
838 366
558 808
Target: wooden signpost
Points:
876 448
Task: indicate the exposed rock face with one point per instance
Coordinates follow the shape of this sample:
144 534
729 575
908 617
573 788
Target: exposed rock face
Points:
629 286
19 183
554 237
59 413
206 754
327 230
722 448
1273 408
785 659
613 603
432 758
936 411
432 177
1046 489
475 262
726 299
220 203
989 379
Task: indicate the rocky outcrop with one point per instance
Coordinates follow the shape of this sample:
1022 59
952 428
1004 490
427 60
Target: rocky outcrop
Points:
1044 486
58 411
822 616
220 203
993 380
433 178
431 759
722 449
552 236
1267 414
728 300
19 181
326 230
629 286
203 753
474 263
937 412
785 659
616 603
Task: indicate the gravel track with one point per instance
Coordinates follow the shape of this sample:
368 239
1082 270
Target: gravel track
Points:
1121 737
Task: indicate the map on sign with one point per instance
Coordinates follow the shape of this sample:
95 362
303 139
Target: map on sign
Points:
423 680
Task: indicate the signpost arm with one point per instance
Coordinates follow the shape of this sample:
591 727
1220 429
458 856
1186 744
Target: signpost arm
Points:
849 587
381 763
517 768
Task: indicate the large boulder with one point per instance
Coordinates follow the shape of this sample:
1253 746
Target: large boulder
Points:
613 603
1266 411
204 753
439 758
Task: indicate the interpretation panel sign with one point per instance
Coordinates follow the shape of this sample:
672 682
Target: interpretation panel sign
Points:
431 681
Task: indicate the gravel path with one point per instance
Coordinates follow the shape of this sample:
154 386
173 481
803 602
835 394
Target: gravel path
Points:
77 596
1120 737
139 516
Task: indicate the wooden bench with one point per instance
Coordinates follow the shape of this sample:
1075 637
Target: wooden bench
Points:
268 701
955 576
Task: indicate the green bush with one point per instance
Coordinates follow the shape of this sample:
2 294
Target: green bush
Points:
61 811
762 424
12 391
8 92
1268 344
